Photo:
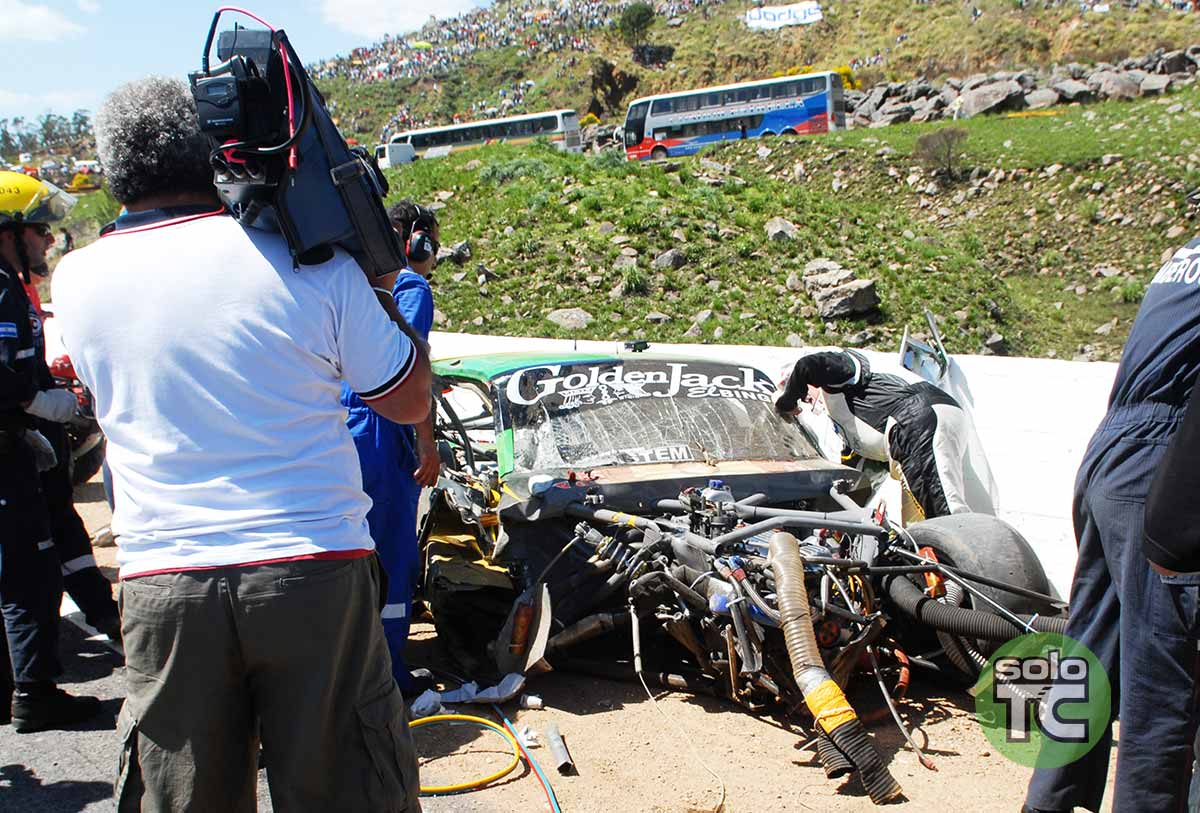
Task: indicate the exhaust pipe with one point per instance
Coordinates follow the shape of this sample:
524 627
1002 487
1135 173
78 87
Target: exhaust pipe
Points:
832 711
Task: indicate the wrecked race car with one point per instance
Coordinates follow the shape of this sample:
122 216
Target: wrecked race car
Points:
660 511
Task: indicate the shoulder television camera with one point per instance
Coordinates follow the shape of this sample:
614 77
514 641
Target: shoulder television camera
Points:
279 161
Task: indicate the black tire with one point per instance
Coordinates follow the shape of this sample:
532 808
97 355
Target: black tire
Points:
983 544
658 154
788 132
766 134
84 468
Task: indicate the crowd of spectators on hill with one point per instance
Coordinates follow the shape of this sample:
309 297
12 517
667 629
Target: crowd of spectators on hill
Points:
534 26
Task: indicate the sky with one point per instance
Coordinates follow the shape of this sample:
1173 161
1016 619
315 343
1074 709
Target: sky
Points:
64 55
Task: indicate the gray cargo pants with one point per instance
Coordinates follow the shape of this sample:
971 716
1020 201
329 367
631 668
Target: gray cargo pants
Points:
293 650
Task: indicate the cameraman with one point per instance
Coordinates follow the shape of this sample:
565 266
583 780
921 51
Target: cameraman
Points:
249 589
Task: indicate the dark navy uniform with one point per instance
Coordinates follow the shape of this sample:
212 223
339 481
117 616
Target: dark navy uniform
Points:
30 576
1140 625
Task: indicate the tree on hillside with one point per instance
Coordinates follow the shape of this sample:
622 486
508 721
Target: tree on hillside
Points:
635 23
939 150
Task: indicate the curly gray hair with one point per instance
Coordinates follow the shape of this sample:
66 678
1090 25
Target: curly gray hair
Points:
149 140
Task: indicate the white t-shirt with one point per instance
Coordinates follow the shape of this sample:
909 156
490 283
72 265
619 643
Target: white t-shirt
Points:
216 370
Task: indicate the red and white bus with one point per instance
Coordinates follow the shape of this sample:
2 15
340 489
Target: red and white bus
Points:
682 123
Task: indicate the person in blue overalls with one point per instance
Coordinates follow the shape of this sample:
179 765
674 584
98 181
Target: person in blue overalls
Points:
397 460
1139 622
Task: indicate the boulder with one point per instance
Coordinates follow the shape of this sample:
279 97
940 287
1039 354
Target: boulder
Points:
1155 84
1072 90
975 81
460 253
894 112
671 258
1038 99
997 96
624 261
1113 85
854 298
571 318
780 229
816 283
657 317
1175 62
703 316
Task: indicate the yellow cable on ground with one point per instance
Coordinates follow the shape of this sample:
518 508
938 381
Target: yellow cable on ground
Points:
475 783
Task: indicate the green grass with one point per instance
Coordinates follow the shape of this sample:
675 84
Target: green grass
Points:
1007 257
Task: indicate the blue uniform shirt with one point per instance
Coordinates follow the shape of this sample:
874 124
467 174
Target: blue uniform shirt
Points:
1162 356
393 447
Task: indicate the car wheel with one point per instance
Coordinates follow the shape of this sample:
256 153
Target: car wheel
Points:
658 153
788 132
988 546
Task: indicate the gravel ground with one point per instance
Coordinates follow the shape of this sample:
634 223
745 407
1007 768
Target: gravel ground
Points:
631 755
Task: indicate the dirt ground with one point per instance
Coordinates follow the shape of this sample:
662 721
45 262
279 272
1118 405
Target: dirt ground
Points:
632 756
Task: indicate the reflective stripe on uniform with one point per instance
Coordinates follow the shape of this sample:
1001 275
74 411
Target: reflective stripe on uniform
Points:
26 353
46 544
394 611
78 563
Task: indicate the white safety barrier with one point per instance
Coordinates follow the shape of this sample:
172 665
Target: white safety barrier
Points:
1034 417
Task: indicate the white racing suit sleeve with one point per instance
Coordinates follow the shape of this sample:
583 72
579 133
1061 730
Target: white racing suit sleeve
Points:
58 406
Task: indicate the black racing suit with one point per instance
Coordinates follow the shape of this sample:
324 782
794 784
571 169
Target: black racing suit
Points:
885 418
30 575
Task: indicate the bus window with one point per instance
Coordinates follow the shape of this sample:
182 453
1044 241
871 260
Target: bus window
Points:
662 106
549 124
380 152
712 100
687 104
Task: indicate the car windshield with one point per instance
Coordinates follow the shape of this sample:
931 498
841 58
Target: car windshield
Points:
628 412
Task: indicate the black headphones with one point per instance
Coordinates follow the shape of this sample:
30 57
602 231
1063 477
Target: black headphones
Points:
420 245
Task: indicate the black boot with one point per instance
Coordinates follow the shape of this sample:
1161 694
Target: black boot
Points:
6 694
41 706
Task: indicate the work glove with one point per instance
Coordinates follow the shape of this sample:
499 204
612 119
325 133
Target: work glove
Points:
58 406
43 452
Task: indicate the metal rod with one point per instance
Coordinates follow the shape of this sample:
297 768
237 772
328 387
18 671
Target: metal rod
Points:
891 704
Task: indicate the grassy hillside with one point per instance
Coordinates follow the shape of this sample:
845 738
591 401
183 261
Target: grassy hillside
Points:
938 38
1051 243
1050 246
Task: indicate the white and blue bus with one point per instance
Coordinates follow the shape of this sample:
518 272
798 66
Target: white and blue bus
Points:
559 127
682 123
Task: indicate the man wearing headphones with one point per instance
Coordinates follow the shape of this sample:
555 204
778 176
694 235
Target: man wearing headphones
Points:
398 460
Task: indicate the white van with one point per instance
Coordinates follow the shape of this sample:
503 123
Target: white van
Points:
394 154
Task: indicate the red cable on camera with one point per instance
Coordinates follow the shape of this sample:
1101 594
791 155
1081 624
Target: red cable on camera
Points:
287 78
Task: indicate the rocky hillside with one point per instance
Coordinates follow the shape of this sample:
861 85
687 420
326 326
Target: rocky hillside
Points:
883 40
1038 240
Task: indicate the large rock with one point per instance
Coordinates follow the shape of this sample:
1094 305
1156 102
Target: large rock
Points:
1038 99
1114 85
571 318
996 96
780 229
975 81
816 283
1155 84
854 298
894 112
671 258
1175 62
1072 90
